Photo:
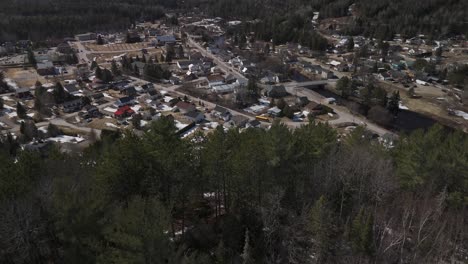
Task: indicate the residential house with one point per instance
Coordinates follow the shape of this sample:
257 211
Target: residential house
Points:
221 113
184 65
72 106
124 111
92 111
129 100
215 80
45 68
147 86
185 107
276 91
174 80
274 111
153 94
64 48
97 97
129 91
326 74
253 124
225 88
195 116
23 93
230 78
239 120
270 79
166 39
71 89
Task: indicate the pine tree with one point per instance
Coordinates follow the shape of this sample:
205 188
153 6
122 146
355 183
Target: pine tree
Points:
94 65
394 103
98 73
100 40
362 233
32 58
115 69
350 44
321 227
20 110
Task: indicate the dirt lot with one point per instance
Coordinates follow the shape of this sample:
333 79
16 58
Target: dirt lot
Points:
24 78
115 47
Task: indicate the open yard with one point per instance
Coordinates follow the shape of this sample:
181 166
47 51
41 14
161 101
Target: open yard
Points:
24 78
120 47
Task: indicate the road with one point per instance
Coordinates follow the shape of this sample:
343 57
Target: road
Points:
221 64
343 113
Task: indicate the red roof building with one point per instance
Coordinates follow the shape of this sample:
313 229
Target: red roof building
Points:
124 111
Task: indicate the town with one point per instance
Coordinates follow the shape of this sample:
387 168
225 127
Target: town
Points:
233 131
199 72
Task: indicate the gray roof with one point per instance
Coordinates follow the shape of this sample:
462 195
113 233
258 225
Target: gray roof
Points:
166 38
193 114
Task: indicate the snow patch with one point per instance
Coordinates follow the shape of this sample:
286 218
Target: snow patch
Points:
66 139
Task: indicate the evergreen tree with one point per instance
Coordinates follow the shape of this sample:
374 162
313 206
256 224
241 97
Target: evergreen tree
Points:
321 227
94 65
350 44
362 233
20 110
60 94
394 103
32 58
115 69
98 73
100 40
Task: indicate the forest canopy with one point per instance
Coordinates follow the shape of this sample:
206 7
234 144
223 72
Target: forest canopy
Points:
274 196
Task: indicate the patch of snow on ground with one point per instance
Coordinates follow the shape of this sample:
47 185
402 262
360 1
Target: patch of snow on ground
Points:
43 129
11 83
167 99
111 125
401 106
110 109
165 108
143 123
66 139
461 114
107 95
7 98
136 108
179 124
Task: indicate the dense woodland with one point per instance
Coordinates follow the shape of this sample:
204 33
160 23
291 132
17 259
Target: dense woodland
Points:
280 20
40 19
380 19
258 196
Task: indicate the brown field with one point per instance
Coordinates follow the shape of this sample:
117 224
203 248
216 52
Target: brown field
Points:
24 78
115 47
